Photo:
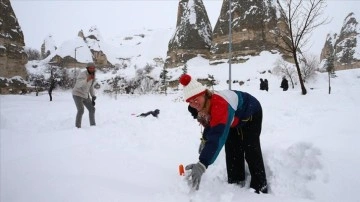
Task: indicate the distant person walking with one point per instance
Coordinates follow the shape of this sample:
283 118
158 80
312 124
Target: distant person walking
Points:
83 87
51 88
284 84
266 86
262 84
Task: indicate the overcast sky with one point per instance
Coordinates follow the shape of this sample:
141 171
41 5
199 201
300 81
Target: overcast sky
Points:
64 19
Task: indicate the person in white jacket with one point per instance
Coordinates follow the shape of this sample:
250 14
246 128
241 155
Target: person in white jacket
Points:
83 87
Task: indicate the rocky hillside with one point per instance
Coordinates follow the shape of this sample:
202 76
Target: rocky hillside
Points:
68 56
129 52
252 24
126 60
89 46
345 46
192 36
12 55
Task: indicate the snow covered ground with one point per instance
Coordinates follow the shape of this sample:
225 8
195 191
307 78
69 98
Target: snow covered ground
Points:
309 142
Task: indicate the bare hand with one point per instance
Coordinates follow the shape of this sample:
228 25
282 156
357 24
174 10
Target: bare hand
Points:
90 77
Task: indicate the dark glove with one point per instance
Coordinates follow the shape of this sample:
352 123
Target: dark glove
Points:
194 177
93 98
193 111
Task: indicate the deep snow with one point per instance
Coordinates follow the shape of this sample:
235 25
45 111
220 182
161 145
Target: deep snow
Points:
309 144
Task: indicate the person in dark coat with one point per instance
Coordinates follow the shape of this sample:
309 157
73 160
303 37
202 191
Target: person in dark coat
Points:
266 85
154 113
51 88
284 84
232 119
262 84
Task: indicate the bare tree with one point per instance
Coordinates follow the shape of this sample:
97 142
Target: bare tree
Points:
300 18
286 69
142 82
115 85
308 66
32 54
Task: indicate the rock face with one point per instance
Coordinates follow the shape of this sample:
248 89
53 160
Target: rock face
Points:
12 55
345 46
14 85
91 41
193 34
252 24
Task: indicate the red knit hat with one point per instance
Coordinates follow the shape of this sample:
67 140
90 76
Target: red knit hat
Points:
192 88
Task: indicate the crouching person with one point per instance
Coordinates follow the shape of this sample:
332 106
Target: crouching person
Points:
231 118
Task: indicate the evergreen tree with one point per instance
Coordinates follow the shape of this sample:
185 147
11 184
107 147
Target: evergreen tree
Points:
330 68
184 69
212 81
164 79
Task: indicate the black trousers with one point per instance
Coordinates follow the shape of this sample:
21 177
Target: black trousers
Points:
244 143
50 91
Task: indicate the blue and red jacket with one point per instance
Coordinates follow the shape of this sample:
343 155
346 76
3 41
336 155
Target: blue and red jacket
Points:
228 109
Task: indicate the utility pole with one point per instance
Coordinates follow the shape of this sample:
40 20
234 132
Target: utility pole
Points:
230 41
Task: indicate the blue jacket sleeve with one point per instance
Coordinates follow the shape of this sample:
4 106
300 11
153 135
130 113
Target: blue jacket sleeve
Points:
216 134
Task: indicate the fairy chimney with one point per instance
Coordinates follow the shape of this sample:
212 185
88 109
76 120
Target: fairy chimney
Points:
12 55
252 25
344 46
192 36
